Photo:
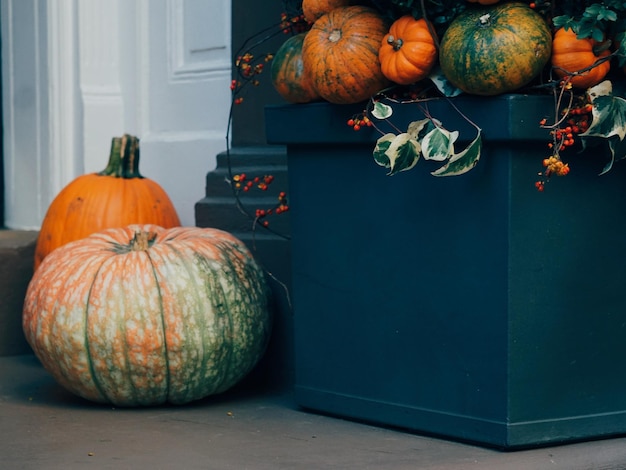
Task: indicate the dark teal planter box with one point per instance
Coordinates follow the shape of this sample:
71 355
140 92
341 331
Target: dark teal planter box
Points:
470 307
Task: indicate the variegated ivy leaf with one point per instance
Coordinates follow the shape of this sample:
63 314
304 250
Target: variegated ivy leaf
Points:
443 84
418 128
609 122
462 162
438 144
382 110
403 153
604 88
382 145
609 113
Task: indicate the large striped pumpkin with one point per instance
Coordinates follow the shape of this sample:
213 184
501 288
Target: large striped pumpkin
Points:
143 315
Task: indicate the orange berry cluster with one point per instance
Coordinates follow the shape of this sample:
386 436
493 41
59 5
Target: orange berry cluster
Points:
247 67
555 166
293 24
248 70
357 122
577 121
280 208
241 182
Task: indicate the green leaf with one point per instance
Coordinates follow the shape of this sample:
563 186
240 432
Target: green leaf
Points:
462 162
438 144
403 153
382 110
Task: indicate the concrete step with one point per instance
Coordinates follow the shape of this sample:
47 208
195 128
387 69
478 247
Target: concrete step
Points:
17 249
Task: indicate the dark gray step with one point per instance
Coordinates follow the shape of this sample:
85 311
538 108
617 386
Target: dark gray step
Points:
17 249
218 208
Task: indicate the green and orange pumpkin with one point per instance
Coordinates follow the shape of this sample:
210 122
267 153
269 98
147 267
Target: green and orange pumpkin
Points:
489 50
288 75
143 315
340 54
117 196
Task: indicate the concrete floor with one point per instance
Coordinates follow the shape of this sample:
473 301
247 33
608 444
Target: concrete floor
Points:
44 427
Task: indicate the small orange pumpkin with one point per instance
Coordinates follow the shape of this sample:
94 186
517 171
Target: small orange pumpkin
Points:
408 52
340 54
115 197
571 55
313 9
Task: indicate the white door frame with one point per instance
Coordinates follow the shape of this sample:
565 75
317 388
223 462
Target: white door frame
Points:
78 72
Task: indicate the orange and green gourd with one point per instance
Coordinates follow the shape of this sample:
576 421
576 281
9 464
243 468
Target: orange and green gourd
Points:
288 75
142 315
115 197
489 50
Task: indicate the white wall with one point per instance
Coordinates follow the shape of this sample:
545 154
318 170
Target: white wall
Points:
78 72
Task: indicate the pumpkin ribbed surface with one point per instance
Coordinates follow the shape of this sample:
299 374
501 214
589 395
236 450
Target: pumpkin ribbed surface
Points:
340 54
115 197
288 75
144 315
571 55
495 49
408 51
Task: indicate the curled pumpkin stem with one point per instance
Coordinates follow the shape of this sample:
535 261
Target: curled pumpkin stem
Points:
396 43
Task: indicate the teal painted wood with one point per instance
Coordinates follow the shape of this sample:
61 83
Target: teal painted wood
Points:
471 307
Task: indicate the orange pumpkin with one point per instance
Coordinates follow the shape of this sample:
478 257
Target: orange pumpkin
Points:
408 52
571 55
115 197
313 9
340 54
288 75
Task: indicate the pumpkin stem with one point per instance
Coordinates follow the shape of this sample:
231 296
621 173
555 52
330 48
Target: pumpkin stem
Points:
395 43
335 35
124 158
485 19
142 241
